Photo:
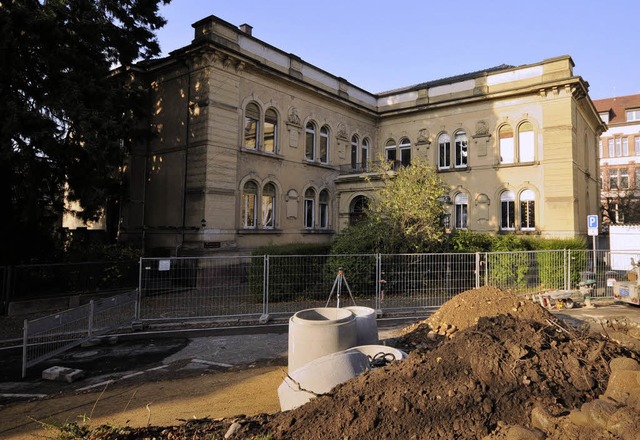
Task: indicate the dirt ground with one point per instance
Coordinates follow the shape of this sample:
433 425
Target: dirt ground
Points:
481 367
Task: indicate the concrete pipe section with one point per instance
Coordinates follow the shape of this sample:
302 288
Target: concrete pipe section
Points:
314 333
366 324
322 374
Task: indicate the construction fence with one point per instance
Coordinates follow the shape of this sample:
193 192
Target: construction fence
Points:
271 285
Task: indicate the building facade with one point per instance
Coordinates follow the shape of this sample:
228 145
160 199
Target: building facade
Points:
619 150
252 145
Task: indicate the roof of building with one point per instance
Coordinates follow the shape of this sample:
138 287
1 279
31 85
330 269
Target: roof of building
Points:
617 106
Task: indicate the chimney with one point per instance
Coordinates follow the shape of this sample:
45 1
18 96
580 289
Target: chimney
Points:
246 28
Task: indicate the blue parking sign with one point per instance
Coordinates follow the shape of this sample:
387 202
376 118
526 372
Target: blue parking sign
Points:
592 221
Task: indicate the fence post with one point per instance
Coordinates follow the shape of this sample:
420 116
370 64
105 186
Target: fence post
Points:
265 290
136 318
379 282
25 342
90 324
477 271
567 269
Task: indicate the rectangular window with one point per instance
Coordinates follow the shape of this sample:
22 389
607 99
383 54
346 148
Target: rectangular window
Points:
637 176
508 212
625 146
405 156
444 155
310 145
461 216
324 145
324 214
613 178
365 156
525 146
354 156
308 213
461 151
506 150
624 178
248 210
391 154
633 115
611 150
636 141
527 214
618 147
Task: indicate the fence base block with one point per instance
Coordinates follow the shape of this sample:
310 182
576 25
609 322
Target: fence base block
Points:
62 374
264 318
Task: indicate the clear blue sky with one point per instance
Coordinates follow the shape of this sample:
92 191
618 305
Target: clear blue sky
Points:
382 45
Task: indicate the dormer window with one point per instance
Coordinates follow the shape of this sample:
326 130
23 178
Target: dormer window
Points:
605 117
633 114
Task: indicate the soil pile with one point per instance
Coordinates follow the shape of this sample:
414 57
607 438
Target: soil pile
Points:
497 357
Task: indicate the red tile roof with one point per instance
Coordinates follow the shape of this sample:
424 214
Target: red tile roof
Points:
617 106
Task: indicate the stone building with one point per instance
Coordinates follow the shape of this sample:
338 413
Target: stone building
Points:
619 149
252 145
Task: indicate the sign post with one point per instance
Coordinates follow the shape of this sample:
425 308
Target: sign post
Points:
592 228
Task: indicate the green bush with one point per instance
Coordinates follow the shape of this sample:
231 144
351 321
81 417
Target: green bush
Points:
288 278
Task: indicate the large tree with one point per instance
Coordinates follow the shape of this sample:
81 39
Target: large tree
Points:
69 108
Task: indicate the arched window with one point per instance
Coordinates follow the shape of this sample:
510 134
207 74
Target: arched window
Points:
324 209
364 157
309 208
268 206
390 150
324 145
354 152
271 131
507 210
405 152
461 204
251 124
357 209
527 210
461 149
444 151
526 150
249 204
506 144
310 142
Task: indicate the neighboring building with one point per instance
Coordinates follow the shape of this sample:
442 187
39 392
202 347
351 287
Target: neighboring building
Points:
619 150
252 145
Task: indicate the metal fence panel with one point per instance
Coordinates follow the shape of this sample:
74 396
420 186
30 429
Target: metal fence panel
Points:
48 336
301 282
527 271
424 280
211 287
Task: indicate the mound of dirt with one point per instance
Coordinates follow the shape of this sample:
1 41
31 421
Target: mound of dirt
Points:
508 357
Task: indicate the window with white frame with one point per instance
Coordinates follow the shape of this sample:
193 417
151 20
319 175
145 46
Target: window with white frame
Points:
444 151
268 206
526 151
605 117
461 149
251 125
625 146
259 134
517 149
507 210
618 147
527 210
324 145
405 152
633 114
271 131
637 177
600 148
390 150
354 151
636 143
324 209
310 142
309 208
610 147
507 154
364 157
613 178
249 204
624 178
461 207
